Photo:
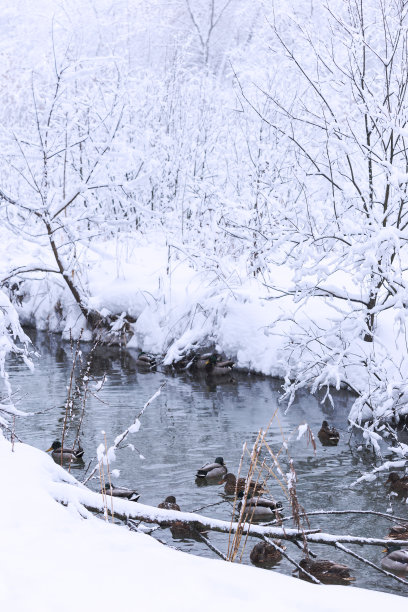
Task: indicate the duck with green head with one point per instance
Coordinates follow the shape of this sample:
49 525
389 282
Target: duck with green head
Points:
216 367
210 471
66 454
259 507
122 492
396 559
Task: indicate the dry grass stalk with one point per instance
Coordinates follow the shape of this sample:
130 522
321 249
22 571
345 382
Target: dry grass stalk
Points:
259 471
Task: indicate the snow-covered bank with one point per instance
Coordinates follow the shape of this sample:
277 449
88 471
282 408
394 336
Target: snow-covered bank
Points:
183 303
54 558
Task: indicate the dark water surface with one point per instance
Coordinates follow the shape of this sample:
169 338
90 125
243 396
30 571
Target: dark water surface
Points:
195 420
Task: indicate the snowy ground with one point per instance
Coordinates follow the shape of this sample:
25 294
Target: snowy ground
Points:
62 557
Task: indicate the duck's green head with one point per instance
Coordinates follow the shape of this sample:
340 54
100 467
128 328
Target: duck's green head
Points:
54 446
219 460
390 548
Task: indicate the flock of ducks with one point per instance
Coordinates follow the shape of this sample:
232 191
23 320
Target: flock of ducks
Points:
210 364
259 507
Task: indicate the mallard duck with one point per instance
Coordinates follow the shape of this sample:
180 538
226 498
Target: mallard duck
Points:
265 554
325 571
328 436
398 532
231 485
169 504
215 367
68 454
258 507
397 484
122 492
396 559
181 529
213 470
144 360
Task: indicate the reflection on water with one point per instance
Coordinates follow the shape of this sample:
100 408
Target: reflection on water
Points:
195 420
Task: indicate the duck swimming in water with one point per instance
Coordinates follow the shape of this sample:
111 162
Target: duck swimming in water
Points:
328 436
398 532
397 484
232 485
396 559
169 504
326 571
212 470
264 554
122 492
67 454
259 507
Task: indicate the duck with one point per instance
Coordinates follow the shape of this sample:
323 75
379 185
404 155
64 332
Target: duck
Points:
145 360
68 454
232 485
182 529
398 532
169 504
397 484
212 470
129 494
326 571
396 559
259 507
328 436
265 554
215 367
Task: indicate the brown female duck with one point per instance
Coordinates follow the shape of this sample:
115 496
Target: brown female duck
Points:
233 485
169 504
328 436
325 571
397 484
264 554
398 532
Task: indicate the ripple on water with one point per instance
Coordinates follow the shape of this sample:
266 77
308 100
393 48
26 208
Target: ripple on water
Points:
193 422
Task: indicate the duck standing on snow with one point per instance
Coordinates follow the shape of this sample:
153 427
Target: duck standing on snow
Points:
264 554
396 559
328 436
68 454
169 504
397 484
209 471
122 492
325 571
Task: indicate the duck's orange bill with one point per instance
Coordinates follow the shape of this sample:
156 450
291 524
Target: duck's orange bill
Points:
49 449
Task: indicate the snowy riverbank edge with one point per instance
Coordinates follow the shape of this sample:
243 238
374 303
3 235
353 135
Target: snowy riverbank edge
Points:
181 305
62 557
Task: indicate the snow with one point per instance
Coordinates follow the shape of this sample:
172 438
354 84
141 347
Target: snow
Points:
61 556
